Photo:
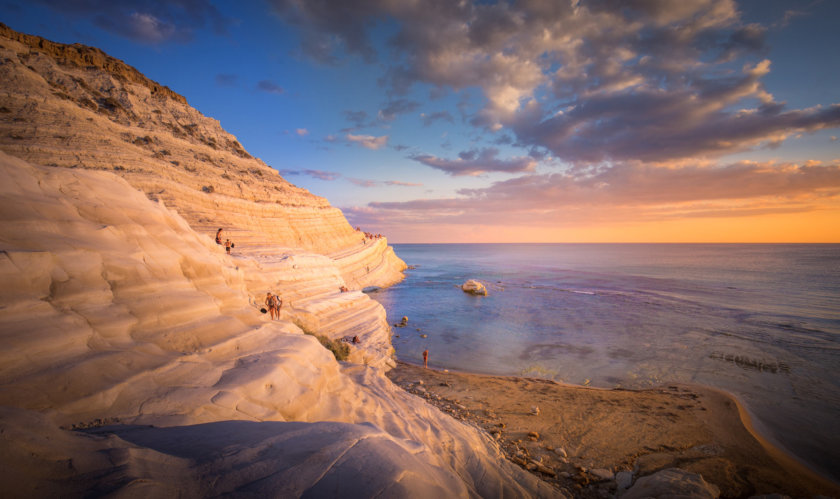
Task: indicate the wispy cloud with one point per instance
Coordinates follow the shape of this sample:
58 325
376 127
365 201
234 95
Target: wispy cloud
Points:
368 141
357 119
403 184
226 79
477 162
270 87
318 174
302 132
363 183
151 21
328 176
377 183
429 119
395 108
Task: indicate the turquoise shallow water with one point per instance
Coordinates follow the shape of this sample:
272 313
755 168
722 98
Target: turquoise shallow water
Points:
760 321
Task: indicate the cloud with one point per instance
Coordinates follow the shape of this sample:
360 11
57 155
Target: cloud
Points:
402 184
395 108
270 87
358 119
302 132
476 162
630 192
317 174
429 119
329 27
368 141
226 80
651 125
376 183
146 27
150 21
363 183
588 81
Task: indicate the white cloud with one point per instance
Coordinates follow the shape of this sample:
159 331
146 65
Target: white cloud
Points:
369 141
651 80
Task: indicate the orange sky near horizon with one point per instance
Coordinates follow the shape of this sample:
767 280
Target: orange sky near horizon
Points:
811 227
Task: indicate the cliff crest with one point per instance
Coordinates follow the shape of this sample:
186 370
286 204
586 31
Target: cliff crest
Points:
84 56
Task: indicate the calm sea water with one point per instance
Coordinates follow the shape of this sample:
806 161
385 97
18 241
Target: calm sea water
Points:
760 321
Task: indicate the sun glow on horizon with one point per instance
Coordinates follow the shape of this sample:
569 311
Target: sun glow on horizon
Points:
816 227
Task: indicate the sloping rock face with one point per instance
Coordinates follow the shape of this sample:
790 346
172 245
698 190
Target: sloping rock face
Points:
135 359
74 106
116 313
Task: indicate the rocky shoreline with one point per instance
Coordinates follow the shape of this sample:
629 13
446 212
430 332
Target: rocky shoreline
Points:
595 443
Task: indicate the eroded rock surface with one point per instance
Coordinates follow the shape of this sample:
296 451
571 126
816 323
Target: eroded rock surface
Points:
117 313
118 309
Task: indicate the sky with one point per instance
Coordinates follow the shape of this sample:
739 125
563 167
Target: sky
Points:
523 121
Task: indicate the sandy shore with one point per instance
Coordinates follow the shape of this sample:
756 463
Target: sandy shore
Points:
582 438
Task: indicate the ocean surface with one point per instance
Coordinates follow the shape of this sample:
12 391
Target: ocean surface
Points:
761 321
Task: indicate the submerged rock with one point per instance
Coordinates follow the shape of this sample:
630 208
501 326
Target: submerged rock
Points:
474 287
602 474
672 482
623 479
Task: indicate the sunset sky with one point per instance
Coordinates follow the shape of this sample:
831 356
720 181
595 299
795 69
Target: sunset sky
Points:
531 121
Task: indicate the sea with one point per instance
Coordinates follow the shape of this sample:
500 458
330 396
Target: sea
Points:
760 321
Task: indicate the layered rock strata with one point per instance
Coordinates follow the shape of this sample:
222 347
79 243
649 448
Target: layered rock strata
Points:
74 106
116 313
119 310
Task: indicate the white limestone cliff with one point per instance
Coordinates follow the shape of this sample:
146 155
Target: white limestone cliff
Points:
76 107
120 315
115 310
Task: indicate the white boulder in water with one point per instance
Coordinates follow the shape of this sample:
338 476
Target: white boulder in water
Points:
474 287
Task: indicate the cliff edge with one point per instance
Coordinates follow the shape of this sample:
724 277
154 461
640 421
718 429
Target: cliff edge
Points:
136 360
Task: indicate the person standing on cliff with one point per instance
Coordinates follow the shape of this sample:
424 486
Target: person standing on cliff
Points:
271 303
426 358
278 303
228 245
219 236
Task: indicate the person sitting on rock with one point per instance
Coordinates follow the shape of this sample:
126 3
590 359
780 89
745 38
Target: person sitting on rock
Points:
219 236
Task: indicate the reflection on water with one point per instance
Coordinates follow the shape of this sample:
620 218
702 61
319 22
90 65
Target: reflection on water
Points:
761 321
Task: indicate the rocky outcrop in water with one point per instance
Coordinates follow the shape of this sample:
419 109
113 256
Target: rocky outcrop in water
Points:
474 287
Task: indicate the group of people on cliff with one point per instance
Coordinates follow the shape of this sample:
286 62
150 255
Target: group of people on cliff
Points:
369 235
273 303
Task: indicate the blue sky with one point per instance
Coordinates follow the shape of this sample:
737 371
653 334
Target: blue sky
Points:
536 120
